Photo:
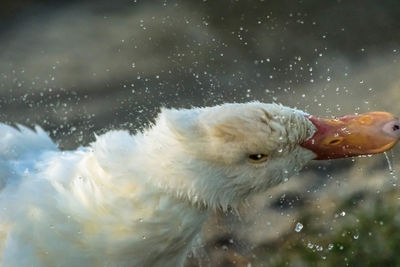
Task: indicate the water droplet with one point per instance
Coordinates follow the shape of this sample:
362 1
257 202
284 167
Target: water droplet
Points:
343 214
391 170
298 228
310 245
330 246
356 236
140 219
280 150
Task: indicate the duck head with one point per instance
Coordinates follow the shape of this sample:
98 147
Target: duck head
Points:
230 151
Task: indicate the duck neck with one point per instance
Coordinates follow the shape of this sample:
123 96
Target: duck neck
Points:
166 220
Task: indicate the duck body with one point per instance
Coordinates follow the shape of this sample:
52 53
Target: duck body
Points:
67 208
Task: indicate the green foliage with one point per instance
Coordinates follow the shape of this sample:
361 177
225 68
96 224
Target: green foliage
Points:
368 235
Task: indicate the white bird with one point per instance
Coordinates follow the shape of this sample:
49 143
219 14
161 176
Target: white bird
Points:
141 200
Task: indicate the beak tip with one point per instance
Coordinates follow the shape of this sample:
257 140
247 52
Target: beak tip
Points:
392 128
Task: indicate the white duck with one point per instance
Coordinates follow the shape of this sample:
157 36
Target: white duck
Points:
141 200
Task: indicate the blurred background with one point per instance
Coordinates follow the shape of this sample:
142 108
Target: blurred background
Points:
82 67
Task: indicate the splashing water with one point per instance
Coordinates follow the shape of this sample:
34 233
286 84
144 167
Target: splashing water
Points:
299 226
388 162
390 166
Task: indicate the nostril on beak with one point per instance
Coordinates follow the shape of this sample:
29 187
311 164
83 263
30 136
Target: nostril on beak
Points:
392 128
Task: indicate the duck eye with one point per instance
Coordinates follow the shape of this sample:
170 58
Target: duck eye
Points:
257 158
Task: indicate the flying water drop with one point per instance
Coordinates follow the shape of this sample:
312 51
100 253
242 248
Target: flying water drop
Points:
390 167
388 162
298 228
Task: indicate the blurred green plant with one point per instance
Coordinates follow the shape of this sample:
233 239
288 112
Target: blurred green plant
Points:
366 234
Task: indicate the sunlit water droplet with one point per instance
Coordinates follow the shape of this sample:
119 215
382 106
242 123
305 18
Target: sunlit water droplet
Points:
356 236
390 167
343 214
330 246
299 226
388 162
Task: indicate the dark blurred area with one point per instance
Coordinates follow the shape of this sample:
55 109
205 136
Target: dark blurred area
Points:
80 67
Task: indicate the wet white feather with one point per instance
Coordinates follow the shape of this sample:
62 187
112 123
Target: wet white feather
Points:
139 200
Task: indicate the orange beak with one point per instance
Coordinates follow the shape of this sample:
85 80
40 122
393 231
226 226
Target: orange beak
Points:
353 135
